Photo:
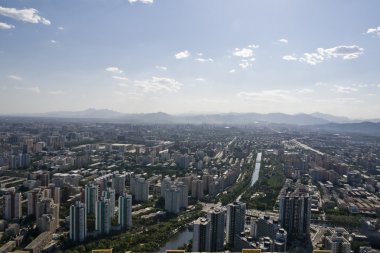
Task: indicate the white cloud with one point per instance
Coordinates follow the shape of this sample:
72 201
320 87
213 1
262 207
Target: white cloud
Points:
304 91
123 84
321 84
182 55
267 96
342 51
56 92
232 71
121 78
61 28
162 68
204 59
14 77
245 64
26 15
312 59
253 46
283 41
344 89
289 58
6 26
276 96
114 70
141 1
53 41
159 84
35 89
374 31
244 52
200 79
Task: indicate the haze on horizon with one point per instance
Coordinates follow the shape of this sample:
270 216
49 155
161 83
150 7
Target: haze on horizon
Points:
186 56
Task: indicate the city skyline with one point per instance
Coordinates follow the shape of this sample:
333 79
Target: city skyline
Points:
138 56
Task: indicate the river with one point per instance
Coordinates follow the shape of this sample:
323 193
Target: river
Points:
178 240
256 172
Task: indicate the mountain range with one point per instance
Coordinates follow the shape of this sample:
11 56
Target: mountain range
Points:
319 121
301 119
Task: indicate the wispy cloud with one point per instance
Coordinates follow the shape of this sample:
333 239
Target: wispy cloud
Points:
204 59
243 52
283 41
35 89
53 41
162 68
232 71
6 26
374 31
200 79
289 58
344 89
275 96
159 84
61 28
26 15
56 92
141 1
114 70
182 55
323 54
121 78
14 77
267 95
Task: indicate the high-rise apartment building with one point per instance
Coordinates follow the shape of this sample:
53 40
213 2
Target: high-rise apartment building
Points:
141 189
295 210
78 222
235 220
125 211
91 196
197 189
119 183
103 216
12 206
201 235
216 218
109 193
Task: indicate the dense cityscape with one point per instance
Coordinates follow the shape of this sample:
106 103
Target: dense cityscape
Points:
189 126
77 186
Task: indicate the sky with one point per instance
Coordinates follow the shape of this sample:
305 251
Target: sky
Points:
191 56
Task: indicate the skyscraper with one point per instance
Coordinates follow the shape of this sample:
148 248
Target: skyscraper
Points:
216 218
103 216
91 196
78 222
172 200
295 212
119 183
235 220
125 211
201 235
141 189
197 189
12 206
109 193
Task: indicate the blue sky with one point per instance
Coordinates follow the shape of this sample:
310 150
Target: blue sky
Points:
180 56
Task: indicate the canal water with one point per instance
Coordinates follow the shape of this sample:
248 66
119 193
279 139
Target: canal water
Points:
255 175
178 240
